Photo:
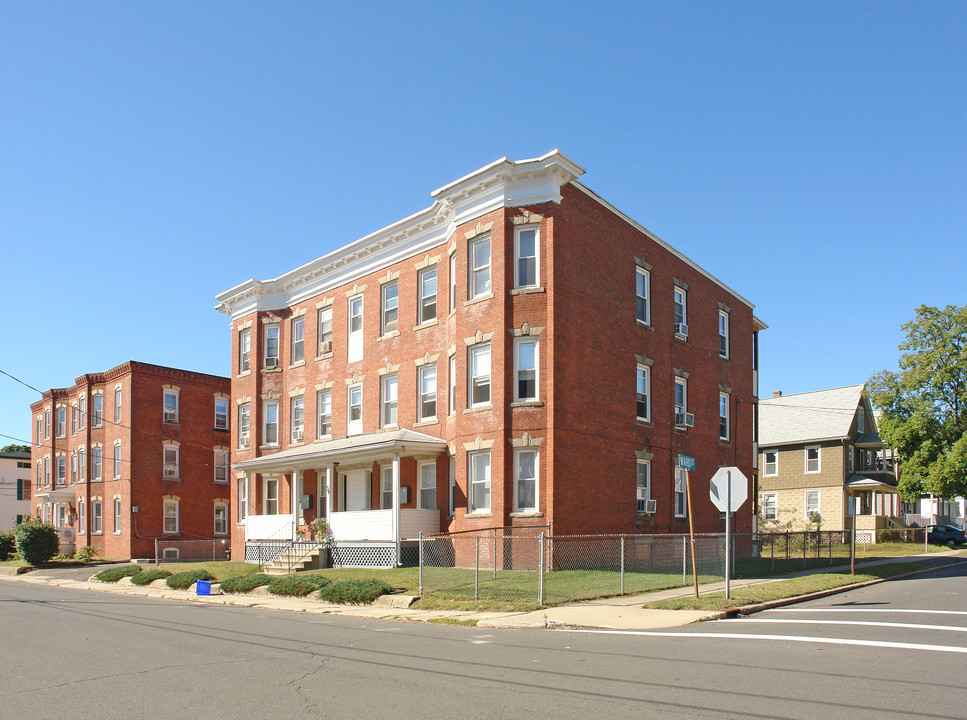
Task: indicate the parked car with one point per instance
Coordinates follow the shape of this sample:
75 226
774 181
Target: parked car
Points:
946 535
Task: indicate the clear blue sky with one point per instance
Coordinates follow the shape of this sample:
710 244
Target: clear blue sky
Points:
813 156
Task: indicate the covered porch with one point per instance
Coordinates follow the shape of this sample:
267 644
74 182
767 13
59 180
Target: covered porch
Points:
355 483
873 505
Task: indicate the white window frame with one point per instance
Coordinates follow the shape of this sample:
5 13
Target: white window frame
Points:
389 307
427 298
426 479
271 358
117 516
642 485
82 411
681 398
47 471
324 330
297 340
479 478
74 419
482 379
297 419
221 459
223 507
389 400
270 503
60 477
244 425
643 392
386 488
97 518
81 464
73 468
770 508
170 554
171 460
724 345
766 463
452 492
97 459
452 377
46 423
244 350
242 498
324 413
426 379
270 423
60 426
680 307
480 272
725 416
680 490
81 523
521 373
807 513
356 317
520 259
519 479
117 460
221 413
167 516
40 431
97 410
642 301
806 451
354 425
171 411
118 402
453 281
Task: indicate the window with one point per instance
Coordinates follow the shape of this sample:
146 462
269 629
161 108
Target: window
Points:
355 328
221 413
452 399
479 462
22 491
271 360
771 463
390 399
681 488
427 404
644 393
40 474
73 419
171 517
525 480
244 350
297 418
428 486
47 471
480 266
812 503
723 334
171 406
221 466
97 458
170 554
117 405
324 409
244 428
325 330
81 524
40 432
681 312
770 506
386 488
61 422
681 402
525 250
81 465
298 332
355 409
82 411
96 521
723 416
453 282
47 424
480 374
643 482
221 519
270 428
242 499
453 485
812 459
171 462
271 496
427 290
391 307
117 461
97 408
643 296
525 369
61 470
117 516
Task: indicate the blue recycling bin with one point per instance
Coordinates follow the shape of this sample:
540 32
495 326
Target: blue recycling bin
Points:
203 587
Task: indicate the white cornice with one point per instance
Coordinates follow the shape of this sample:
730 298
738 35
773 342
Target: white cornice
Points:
503 183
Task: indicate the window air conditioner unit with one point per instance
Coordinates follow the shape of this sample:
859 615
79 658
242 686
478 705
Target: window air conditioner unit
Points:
271 362
391 326
679 417
170 417
296 435
243 441
651 506
327 347
681 329
689 420
170 472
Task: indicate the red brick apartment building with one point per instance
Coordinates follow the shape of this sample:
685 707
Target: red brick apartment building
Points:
519 354
132 455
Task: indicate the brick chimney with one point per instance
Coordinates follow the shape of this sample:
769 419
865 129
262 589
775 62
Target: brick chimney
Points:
776 393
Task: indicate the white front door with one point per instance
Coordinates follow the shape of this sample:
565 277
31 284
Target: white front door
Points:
356 485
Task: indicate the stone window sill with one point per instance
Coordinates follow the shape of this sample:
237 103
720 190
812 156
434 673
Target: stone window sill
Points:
527 290
523 515
424 423
244 374
428 323
300 363
472 516
478 299
324 356
478 408
271 370
387 336
527 404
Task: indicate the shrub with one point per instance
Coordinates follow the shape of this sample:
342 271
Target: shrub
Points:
86 553
8 545
149 576
36 541
296 585
184 580
244 583
116 573
354 592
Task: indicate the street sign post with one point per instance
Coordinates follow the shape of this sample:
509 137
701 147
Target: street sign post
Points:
688 463
728 489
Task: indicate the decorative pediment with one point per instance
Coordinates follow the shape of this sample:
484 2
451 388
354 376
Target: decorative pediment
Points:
642 263
355 379
478 337
388 370
426 359
388 277
427 261
526 440
526 218
355 289
478 444
644 360
479 229
526 330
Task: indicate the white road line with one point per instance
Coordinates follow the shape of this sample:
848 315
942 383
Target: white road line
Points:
783 638
867 623
869 610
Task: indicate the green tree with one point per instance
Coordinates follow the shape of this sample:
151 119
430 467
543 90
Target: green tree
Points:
15 448
924 403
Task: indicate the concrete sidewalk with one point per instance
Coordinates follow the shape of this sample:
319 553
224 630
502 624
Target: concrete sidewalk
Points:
619 613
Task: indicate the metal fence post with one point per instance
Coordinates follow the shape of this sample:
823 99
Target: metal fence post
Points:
540 572
476 567
156 553
495 553
421 562
622 564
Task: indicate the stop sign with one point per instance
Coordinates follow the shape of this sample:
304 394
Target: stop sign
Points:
718 488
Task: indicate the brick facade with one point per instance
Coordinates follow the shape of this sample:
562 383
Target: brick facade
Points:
138 434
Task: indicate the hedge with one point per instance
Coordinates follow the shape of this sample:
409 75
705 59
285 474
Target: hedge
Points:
184 580
37 542
354 592
149 576
116 573
8 545
296 585
244 583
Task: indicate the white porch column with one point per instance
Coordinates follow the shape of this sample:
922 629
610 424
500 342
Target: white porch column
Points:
329 481
294 487
248 493
396 506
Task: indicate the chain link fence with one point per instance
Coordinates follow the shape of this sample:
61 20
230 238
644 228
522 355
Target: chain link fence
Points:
505 567
172 551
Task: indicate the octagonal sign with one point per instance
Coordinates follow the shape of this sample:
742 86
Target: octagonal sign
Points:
718 488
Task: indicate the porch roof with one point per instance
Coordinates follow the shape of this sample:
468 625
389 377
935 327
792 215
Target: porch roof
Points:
61 494
860 482
368 447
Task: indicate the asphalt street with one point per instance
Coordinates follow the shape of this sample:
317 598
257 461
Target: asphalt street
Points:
892 650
